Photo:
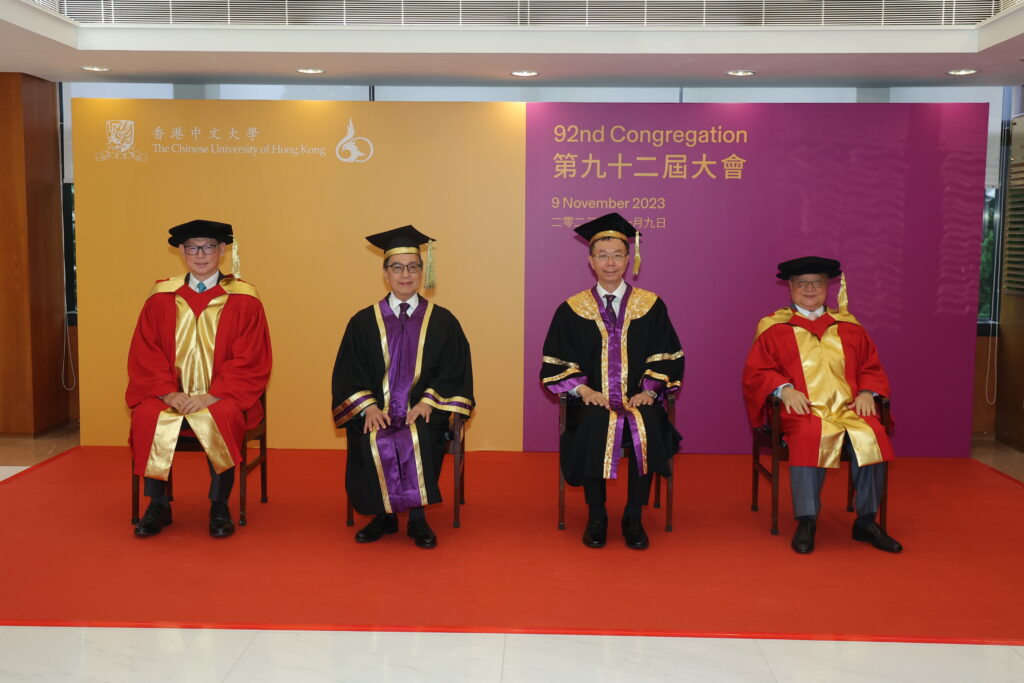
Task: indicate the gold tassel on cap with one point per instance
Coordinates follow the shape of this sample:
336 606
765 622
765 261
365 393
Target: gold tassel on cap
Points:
429 277
636 254
844 300
236 265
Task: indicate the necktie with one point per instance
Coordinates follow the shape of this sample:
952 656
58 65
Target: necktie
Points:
812 316
608 306
403 311
201 287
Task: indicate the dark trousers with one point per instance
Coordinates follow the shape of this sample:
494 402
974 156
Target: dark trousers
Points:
220 485
806 483
595 490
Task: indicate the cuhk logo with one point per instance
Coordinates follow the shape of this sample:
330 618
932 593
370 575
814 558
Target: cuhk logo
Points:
120 141
353 150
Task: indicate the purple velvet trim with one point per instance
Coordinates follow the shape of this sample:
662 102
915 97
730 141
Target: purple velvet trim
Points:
655 385
403 338
638 452
437 399
398 462
354 407
566 384
617 448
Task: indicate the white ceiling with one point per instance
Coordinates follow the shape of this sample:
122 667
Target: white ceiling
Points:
46 45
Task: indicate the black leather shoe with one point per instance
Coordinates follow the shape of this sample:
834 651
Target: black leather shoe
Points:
803 539
378 526
421 533
221 525
871 533
155 519
596 533
633 532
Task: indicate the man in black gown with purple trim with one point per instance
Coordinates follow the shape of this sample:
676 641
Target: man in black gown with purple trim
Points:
613 348
402 369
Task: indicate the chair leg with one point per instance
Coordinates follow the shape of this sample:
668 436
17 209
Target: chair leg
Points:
349 520
561 499
263 468
462 478
669 482
242 472
775 495
657 489
757 476
135 498
849 488
458 488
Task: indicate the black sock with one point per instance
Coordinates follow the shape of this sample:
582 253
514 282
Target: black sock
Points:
597 510
417 513
633 510
864 520
806 518
160 501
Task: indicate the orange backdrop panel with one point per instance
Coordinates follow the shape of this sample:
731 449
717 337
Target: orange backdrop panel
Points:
454 170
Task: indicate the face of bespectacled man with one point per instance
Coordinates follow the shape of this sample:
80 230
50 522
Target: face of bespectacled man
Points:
403 273
808 291
206 259
608 259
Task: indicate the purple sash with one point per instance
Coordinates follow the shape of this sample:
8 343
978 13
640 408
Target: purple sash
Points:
613 324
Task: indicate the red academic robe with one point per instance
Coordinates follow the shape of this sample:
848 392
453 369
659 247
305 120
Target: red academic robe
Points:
241 360
830 360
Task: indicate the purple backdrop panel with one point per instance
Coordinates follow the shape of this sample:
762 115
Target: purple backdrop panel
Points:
724 192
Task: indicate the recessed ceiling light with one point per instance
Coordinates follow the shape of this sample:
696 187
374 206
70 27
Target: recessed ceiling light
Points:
95 68
525 74
741 72
310 70
962 72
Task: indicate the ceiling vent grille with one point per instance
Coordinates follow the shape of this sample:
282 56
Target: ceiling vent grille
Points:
566 13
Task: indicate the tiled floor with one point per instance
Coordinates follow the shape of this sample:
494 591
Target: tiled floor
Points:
241 656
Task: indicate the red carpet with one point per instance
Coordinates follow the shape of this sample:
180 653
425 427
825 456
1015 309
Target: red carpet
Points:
70 556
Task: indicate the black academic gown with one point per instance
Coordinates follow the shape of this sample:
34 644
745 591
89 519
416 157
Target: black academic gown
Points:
619 357
397 468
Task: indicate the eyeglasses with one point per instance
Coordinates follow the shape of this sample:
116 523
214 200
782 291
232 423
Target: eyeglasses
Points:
617 257
411 268
809 284
205 248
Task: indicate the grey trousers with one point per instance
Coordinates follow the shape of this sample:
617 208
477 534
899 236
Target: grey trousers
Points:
220 485
806 483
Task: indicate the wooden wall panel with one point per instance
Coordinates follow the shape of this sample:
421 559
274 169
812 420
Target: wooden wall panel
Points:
32 313
984 415
1010 403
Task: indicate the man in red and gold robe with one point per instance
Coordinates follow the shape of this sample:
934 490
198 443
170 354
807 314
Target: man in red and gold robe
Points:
825 368
199 360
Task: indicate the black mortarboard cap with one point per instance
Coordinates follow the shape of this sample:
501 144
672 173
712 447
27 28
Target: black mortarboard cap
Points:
611 224
403 240
200 228
806 265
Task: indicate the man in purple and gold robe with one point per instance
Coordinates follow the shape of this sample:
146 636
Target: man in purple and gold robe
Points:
402 369
613 348
199 360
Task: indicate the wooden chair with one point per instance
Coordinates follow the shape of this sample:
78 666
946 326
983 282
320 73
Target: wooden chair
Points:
188 443
456 437
670 408
771 438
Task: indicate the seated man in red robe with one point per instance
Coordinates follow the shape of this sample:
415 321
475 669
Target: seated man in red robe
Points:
199 360
823 365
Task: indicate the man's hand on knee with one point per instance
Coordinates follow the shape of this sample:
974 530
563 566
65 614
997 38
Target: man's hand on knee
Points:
193 404
795 401
593 398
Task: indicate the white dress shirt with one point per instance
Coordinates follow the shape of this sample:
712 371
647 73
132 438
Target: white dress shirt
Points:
619 292
209 282
394 302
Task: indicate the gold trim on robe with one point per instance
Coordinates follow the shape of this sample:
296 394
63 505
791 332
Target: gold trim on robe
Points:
420 479
419 349
551 360
375 452
385 386
664 356
161 453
